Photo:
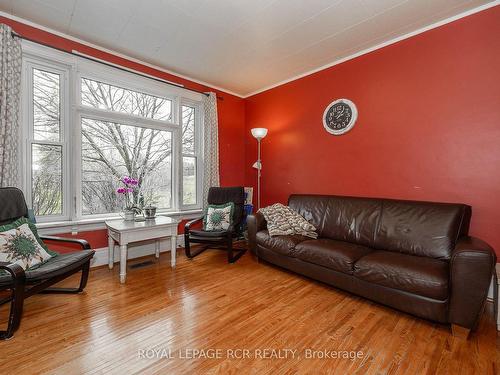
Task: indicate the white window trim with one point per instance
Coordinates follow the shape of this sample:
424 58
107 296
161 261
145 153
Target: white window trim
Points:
73 69
198 147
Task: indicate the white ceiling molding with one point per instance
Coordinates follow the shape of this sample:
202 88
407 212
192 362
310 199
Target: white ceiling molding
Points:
239 47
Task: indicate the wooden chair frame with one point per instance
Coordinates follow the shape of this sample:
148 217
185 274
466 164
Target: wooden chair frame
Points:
21 288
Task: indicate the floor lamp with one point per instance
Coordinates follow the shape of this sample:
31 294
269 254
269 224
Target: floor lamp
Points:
258 133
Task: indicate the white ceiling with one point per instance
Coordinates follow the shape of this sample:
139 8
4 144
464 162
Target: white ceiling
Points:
240 45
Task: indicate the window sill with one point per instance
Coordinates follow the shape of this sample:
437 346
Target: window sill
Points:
85 225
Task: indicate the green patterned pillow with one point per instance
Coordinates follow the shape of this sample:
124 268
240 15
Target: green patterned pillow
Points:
20 244
218 217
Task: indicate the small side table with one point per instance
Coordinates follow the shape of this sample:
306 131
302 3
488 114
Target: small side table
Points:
125 232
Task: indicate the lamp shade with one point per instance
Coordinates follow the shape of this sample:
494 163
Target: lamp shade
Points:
259 133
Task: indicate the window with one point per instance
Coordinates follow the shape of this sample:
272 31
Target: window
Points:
189 175
111 150
46 179
46 105
87 126
104 96
46 138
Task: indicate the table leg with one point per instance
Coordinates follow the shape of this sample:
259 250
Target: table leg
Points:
157 248
173 252
111 252
123 263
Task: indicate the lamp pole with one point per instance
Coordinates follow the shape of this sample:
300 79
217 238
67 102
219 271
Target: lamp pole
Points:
258 133
259 164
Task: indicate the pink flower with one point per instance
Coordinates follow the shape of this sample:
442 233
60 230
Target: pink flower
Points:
130 190
121 190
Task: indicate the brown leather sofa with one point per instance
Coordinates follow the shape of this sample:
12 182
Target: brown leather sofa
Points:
414 256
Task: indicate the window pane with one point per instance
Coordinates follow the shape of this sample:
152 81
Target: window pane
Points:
188 117
46 181
112 98
46 105
111 151
189 180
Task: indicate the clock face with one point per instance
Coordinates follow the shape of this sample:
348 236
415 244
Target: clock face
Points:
339 117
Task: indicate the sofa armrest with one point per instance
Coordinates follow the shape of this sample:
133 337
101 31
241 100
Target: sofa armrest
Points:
83 243
255 223
471 268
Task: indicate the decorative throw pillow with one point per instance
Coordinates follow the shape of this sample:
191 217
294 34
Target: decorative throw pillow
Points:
283 220
20 244
218 217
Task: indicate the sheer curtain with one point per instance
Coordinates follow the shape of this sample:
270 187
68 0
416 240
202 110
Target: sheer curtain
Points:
210 146
10 95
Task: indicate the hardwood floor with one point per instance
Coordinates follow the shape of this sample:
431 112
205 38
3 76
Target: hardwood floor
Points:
207 304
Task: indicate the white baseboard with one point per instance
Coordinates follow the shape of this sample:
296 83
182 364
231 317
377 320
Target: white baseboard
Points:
135 250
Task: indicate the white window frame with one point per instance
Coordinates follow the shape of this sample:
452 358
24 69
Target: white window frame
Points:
72 70
30 63
198 154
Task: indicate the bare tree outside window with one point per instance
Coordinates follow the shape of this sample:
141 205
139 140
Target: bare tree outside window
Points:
46 106
188 156
110 150
112 98
46 171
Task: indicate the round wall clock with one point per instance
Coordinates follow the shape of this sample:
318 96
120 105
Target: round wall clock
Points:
339 117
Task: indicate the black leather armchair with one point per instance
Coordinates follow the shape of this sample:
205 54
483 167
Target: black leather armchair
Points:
218 239
23 284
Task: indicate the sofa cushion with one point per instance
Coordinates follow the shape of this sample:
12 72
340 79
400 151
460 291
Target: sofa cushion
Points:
336 255
203 234
421 228
416 228
418 275
350 219
281 244
310 207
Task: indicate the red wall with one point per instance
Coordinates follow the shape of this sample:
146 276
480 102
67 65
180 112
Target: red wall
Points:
428 125
231 112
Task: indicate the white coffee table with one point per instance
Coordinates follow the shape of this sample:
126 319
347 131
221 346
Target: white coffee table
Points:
125 232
